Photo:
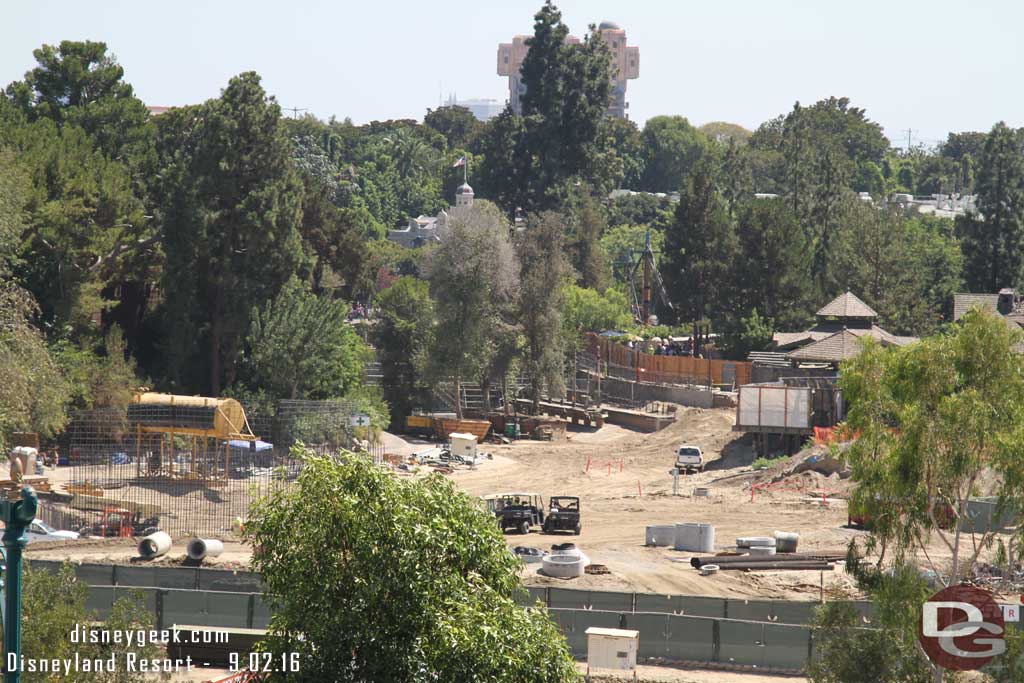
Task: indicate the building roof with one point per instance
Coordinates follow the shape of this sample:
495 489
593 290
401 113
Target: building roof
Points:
847 306
965 302
845 344
464 188
840 346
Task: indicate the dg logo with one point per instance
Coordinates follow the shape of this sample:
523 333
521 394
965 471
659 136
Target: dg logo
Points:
962 628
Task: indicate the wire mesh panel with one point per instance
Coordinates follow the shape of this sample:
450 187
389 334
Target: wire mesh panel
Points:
156 468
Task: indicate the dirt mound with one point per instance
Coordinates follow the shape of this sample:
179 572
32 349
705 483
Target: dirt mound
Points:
818 460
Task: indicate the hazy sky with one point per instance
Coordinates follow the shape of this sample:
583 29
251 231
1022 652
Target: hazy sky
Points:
930 65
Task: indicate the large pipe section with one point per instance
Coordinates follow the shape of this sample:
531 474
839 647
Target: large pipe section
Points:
154 545
201 548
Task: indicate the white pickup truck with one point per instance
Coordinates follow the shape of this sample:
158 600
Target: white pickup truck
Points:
689 458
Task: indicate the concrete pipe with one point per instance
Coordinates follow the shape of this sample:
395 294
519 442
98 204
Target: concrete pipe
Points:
755 541
661 535
709 569
761 550
695 536
563 566
201 548
701 492
786 542
154 545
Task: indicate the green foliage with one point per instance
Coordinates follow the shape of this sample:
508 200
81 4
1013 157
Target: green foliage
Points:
754 333
671 148
585 225
230 210
102 376
54 605
300 346
992 239
532 161
932 417
33 392
457 124
624 243
772 270
474 278
543 269
404 329
699 247
587 310
389 579
849 652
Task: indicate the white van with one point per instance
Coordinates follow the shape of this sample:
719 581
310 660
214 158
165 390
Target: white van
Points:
689 458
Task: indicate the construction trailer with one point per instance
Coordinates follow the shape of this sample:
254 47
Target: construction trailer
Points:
786 412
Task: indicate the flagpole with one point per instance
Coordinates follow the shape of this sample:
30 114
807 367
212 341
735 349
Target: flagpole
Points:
465 170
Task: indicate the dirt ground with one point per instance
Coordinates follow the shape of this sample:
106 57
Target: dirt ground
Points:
628 487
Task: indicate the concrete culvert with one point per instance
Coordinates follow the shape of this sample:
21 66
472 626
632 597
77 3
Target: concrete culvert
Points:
661 535
563 566
154 545
201 548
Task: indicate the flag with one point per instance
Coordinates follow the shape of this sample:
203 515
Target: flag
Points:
460 162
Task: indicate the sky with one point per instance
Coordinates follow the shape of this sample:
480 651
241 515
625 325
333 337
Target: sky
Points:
930 66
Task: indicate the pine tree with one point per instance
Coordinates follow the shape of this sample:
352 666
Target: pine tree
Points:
699 247
993 240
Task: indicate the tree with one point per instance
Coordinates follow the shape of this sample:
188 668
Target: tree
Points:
699 248
628 145
473 278
230 210
300 346
993 239
587 310
80 84
543 268
33 392
389 579
100 375
724 132
772 270
534 160
935 420
586 225
404 328
905 267
457 124
54 606
671 148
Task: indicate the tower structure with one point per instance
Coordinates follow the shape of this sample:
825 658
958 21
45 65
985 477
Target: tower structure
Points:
625 66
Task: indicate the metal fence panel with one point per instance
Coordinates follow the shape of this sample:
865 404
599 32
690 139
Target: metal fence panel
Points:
565 598
691 639
611 601
654 634
184 607
99 600
95 574
749 610
741 642
262 610
228 610
786 647
789 612
230 581
694 606
661 604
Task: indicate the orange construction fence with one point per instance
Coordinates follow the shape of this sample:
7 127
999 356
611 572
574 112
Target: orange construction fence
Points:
669 369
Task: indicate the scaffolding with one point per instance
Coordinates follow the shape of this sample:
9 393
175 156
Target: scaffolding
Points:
195 464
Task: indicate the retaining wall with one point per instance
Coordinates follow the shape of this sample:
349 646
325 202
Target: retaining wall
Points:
697 397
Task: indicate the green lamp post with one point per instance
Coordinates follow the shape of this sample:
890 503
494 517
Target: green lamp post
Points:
16 515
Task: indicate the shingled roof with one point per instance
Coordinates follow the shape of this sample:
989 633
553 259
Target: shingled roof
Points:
838 347
846 306
965 302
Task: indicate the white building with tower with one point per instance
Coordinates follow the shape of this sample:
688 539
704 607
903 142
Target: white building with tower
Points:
423 230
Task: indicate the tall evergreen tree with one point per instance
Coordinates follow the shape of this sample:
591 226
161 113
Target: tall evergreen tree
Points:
993 240
230 208
699 247
541 299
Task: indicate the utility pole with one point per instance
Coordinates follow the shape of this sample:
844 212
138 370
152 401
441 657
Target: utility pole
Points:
910 134
295 111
